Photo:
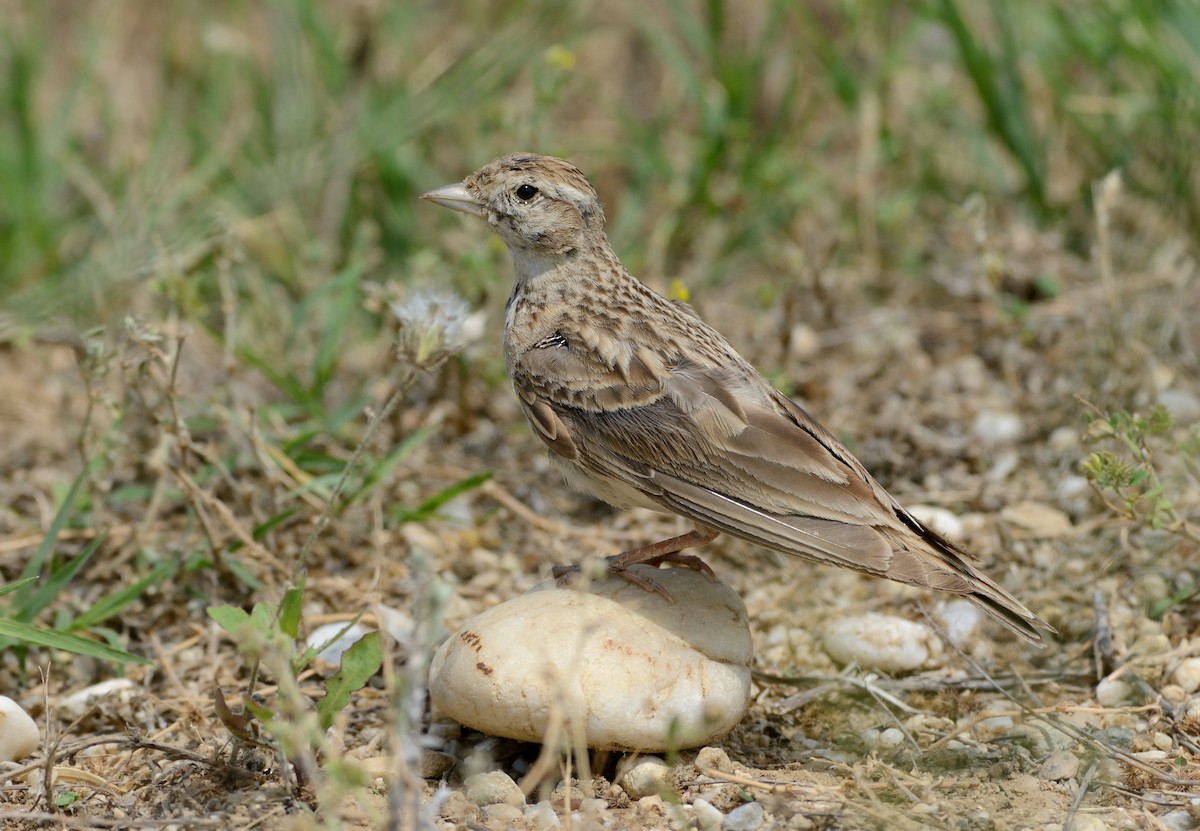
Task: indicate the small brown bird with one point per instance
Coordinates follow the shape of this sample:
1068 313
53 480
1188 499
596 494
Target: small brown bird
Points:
642 403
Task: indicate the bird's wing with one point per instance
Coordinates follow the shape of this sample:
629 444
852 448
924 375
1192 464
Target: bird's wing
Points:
712 444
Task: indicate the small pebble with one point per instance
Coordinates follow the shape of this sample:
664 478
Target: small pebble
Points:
1178 820
503 812
1183 406
334 640
19 736
707 817
77 703
960 619
997 427
1113 692
715 758
1187 675
884 643
542 816
1162 741
891 738
645 776
748 817
1060 765
493 788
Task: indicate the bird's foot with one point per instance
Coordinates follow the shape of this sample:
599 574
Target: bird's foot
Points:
667 551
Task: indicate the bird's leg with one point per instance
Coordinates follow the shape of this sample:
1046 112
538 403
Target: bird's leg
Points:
655 554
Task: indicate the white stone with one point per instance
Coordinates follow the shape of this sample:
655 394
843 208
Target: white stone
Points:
119 690
748 817
334 640
960 619
884 643
493 788
1060 765
1187 675
707 816
1113 692
997 427
1177 820
19 735
1183 406
542 816
891 738
634 670
645 776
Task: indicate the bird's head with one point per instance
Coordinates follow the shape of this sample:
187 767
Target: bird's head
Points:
538 205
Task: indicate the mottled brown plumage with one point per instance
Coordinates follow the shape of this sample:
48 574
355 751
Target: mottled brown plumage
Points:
642 403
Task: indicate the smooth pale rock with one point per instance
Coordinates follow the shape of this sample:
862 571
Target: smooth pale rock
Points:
643 776
19 735
707 816
960 619
493 788
1059 765
1187 675
115 690
635 671
1113 692
1038 518
748 817
333 641
997 427
881 642
714 758
891 738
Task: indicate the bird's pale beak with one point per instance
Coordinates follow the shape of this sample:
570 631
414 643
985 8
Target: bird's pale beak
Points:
456 198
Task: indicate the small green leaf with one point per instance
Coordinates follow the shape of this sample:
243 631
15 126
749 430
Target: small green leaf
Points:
359 663
230 618
64 798
290 611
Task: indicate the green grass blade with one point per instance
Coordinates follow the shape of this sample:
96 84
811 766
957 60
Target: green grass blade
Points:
51 639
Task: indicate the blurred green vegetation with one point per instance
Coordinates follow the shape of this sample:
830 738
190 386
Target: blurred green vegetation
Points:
143 145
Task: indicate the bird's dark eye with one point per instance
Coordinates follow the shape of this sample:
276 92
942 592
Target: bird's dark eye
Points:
526 192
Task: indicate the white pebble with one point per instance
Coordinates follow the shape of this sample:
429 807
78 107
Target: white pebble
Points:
997 427
542 816
1060 765
635 671
707 817
960 619
1187 675
1178 820
748 817
334 640
881 642
891 738
19 735
1183 406
1113 692
119 690
643 776
493 788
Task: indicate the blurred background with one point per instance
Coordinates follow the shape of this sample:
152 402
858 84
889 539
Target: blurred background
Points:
141 143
